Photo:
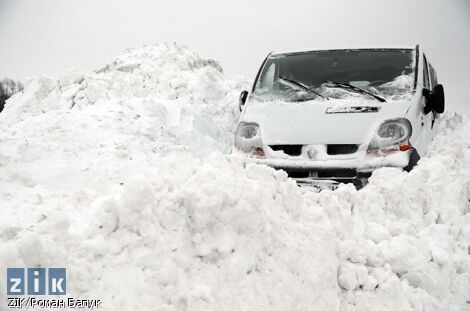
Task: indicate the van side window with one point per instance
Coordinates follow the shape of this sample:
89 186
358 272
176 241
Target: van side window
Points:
426 74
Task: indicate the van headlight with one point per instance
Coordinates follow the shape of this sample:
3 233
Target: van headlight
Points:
248 139
392 135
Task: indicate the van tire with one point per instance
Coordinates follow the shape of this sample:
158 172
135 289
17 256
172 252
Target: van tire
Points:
414 158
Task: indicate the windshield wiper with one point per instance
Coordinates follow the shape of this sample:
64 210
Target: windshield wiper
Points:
304 86
356 89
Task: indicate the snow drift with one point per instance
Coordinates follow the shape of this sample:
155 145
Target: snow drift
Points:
123 176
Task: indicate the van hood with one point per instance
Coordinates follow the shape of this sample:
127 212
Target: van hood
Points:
328 122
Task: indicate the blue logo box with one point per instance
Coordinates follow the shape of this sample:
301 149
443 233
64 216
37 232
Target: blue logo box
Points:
36 281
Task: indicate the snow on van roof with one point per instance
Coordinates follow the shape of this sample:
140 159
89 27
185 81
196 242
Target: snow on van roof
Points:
344 47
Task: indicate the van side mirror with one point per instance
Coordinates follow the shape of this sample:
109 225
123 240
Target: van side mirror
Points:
438 99
242 100
434 99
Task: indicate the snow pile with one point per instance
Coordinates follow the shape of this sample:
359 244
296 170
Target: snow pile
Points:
404 240
188 235
80 129
111 175
157 86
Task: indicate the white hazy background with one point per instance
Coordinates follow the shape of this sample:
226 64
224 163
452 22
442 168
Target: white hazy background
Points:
50 36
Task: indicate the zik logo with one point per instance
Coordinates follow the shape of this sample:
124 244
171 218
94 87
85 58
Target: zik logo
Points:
36 281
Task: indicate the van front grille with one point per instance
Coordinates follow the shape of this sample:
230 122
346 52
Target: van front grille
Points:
341 149
292 150
297 174
296 150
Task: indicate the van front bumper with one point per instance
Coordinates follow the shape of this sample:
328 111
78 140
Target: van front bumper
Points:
345 170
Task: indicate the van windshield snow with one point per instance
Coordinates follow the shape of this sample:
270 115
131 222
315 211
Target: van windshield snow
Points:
388 73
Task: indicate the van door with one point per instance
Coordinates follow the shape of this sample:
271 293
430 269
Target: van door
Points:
428 118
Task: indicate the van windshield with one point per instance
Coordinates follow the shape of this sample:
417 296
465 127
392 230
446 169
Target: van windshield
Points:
388 73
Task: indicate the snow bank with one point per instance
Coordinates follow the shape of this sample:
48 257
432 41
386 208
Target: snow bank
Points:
122 176
404 239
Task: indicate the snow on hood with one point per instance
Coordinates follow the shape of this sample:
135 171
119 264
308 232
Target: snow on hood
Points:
107 174
348 121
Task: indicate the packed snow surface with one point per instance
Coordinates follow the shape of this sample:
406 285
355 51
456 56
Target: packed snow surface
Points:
123 177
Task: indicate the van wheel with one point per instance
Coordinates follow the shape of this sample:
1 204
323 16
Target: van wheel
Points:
362 180
414 158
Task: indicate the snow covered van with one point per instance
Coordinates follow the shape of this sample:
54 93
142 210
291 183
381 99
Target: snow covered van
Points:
336 115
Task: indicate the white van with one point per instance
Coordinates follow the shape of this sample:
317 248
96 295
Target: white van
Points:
336 115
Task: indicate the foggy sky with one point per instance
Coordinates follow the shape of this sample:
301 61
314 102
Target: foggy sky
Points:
48 37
